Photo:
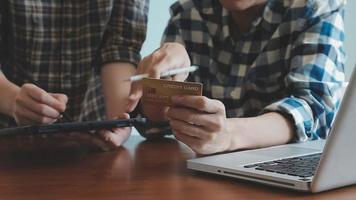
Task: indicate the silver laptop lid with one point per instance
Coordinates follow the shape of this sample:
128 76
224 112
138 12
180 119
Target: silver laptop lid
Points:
337 165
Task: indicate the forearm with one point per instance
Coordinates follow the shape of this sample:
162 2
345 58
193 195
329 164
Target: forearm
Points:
262 131
8 92
116 88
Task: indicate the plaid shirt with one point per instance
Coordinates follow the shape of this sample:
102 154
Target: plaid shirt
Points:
63 44
291 61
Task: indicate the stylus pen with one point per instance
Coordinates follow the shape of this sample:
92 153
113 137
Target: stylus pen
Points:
166 73
89 125
27 76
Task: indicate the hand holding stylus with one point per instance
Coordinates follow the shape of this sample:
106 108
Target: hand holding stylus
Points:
170 57
33 105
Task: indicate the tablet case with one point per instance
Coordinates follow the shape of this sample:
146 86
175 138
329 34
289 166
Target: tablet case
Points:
70 127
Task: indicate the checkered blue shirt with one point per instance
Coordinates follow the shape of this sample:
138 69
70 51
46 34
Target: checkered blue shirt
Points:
291 61
63 44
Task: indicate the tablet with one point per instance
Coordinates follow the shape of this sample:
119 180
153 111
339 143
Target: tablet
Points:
70 127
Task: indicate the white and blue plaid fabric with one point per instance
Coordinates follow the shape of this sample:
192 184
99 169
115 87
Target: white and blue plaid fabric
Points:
291 61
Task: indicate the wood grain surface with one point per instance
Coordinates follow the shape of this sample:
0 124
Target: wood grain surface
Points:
139 170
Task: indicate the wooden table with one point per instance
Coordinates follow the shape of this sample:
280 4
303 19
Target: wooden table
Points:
141 170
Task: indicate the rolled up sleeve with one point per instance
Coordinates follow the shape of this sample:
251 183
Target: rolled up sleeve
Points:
125 33
315 79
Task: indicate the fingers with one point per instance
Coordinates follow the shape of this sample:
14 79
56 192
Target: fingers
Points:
200 103
180 77
200 123
60 97
117 136
192 130
157 63
152 65
42 96
163 60
177 53
209 121
169 56
187 115
146 66
197 110
192 142
27 116
29 105
33 105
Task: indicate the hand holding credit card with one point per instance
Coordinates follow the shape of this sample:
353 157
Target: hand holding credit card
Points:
160 92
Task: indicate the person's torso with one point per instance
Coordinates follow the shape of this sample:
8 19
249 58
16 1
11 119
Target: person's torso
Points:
246 73
57 43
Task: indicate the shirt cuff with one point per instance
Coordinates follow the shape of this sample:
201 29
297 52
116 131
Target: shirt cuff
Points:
299 113
119 54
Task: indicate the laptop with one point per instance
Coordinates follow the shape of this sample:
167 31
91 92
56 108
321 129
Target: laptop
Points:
312 166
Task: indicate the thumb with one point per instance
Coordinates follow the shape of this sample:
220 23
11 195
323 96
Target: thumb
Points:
123 116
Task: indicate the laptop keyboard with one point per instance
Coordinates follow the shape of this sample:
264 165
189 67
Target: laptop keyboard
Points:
301 166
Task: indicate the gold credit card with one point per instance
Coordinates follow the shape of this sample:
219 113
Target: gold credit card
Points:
160 92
